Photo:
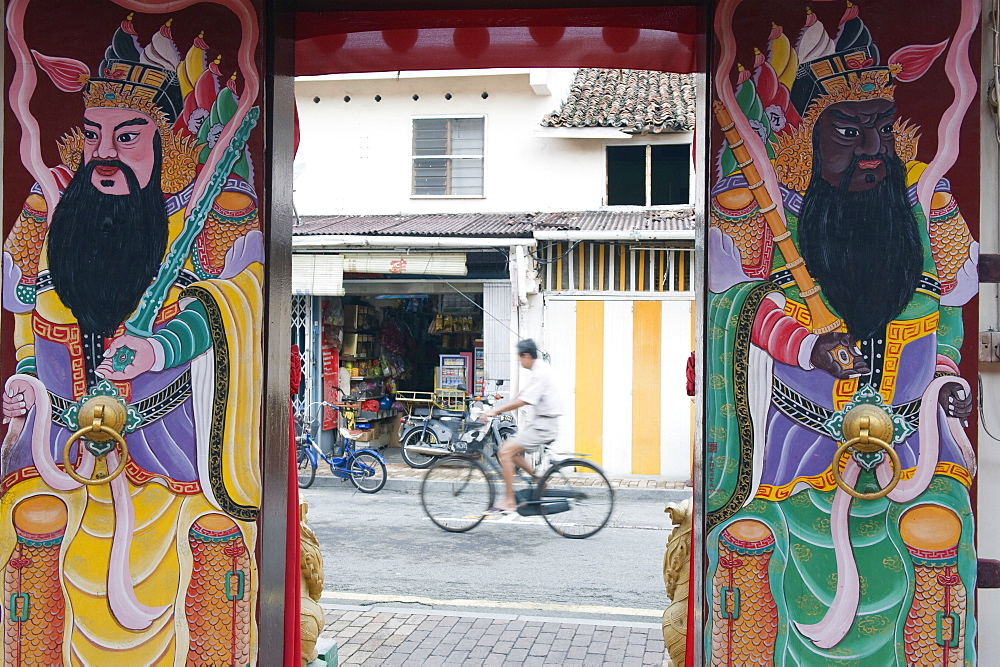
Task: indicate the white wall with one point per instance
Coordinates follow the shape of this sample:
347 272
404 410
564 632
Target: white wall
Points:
989 317
557 334
355 157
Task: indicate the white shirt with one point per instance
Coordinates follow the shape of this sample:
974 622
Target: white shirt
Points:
541 392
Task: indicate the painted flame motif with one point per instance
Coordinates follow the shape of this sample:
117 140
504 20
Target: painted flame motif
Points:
916 60
67 74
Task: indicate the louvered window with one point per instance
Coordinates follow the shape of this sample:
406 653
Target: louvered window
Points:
448 156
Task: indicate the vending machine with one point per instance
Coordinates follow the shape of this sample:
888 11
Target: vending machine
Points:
478 369
453 371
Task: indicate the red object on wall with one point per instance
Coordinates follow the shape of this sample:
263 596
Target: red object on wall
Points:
689 374
331 380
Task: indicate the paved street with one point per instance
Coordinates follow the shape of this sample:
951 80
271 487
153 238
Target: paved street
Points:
511 591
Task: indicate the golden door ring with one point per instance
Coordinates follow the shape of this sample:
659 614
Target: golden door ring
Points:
897 469
98 431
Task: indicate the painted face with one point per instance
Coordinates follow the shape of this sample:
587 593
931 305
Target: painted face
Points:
856 137
119 137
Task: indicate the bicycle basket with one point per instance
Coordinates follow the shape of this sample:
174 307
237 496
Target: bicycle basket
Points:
449 399
415 399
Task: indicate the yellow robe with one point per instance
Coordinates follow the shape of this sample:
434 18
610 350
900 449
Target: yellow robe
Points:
160 559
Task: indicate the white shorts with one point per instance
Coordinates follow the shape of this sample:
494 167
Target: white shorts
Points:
540 431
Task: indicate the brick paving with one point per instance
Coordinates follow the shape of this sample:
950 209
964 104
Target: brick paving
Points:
398 637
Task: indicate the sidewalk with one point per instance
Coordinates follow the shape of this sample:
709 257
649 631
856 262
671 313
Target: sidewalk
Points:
402 477
386 636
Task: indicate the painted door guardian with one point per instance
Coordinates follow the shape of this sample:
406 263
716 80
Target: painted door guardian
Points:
838 465
132 273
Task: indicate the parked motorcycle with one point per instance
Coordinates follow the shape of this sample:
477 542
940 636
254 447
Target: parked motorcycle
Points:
429 433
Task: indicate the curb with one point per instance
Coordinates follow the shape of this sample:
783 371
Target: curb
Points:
406 485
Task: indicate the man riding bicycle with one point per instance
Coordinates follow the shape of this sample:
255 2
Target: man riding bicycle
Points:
541 394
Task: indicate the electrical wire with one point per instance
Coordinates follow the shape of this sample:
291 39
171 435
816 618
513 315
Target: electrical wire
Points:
552 260
993 89
473 302
545 355
982 415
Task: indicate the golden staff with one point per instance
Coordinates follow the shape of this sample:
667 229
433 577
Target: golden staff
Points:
823 321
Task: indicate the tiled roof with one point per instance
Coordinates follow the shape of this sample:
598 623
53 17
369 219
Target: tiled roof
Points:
497 224
634 100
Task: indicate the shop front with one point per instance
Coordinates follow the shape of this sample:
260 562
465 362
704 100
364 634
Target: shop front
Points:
379 327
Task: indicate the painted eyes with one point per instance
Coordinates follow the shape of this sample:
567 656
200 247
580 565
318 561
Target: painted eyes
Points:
854 133
123 138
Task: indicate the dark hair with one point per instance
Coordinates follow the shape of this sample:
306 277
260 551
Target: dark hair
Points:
527 346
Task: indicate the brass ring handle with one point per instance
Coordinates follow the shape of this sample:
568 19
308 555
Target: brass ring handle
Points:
107 433
897 468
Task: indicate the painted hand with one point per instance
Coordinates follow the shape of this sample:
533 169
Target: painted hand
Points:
837 354
956 403
126 358
18 398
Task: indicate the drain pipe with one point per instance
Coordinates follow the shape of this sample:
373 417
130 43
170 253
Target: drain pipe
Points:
614 234
339 241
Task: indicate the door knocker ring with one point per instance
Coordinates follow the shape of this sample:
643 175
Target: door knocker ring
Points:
106 418
897 469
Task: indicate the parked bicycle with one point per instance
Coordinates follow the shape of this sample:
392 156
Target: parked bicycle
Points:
573 495
449 426
365 468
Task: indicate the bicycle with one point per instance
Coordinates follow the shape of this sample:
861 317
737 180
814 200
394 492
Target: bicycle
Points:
457 491
365 468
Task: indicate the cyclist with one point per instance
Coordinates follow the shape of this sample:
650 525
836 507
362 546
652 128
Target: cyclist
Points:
541 394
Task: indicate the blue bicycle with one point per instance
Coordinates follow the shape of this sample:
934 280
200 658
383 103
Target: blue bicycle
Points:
365 467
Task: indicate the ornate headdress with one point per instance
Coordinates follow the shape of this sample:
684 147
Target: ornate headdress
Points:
155 81
842 70
143 77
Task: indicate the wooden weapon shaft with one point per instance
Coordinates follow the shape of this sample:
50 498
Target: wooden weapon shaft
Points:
823 321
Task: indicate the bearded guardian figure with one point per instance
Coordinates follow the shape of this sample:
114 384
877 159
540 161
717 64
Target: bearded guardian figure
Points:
835 322
134 278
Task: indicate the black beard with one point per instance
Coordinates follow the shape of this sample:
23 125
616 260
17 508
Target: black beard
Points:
863 248
104 250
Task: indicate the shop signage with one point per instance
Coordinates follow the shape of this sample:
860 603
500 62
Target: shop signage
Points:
435 263
331 370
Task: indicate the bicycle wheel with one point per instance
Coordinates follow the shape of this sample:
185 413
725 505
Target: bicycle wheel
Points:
576 504
306 469
367 473
456 493
420 437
